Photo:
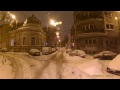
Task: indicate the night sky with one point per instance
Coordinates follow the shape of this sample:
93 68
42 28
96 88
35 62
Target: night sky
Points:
65 16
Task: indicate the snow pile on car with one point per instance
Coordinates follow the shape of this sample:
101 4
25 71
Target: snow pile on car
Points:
93 67
72 72
34 50
115 63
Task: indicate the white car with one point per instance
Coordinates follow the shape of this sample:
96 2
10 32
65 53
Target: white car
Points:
105 55
78 53
34 52
53 50
114 66
46 50
4 49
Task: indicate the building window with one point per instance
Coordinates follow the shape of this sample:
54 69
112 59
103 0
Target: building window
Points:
115 42
108 13
33 41
111 42
109 26
106 41
87 27
12 42
90 41
91 26
24 40
86 41
94 41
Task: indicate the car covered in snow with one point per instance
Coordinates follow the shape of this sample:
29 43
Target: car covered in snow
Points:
105 55
68 50
114 66
80 53
4 49
34 52
53 50
46 50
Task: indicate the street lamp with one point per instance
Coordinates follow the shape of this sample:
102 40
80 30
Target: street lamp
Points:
52 22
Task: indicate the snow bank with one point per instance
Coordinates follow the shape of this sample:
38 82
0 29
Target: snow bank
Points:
50 72
115 63
92 68
72 72
6 68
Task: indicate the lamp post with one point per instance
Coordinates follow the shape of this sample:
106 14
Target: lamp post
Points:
54 23
14 19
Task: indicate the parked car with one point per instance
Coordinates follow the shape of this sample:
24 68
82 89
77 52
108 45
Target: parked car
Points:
105 55
46 50
4 49
114 66
34 52
78 53
53 50
68 50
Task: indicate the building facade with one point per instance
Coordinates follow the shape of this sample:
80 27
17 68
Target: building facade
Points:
30 35
95 31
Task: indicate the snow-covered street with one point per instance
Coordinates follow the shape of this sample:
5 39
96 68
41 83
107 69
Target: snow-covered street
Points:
58 65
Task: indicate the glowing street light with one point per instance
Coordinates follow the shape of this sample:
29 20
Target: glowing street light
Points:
52 22
59 40
57 33
57 36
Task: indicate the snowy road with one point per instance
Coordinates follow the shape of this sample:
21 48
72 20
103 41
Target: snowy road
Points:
58 65
30 67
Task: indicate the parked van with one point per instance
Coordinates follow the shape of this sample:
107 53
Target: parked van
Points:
53 50
46 50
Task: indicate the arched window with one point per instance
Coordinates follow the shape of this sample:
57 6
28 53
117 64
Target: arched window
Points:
33 41
24 40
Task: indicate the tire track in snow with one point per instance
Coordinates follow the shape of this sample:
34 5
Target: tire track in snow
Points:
46 64
17 66
59 64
